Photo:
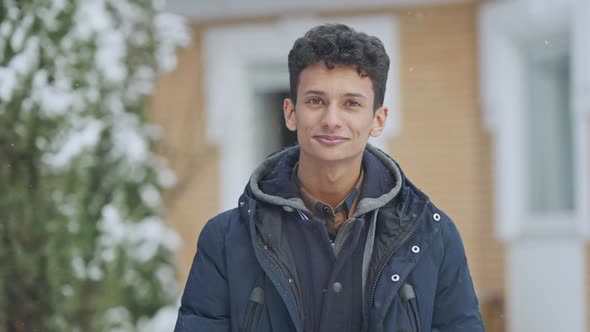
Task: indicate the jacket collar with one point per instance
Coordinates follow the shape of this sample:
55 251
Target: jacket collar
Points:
271 181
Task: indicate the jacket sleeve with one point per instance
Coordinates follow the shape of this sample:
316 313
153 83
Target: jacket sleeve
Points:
455 305
205 301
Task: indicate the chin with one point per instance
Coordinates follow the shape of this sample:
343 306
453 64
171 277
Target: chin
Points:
335 155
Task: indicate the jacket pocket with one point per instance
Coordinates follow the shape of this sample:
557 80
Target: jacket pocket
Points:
408 296
254 305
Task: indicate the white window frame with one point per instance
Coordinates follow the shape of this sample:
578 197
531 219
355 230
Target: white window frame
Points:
505 27
228 52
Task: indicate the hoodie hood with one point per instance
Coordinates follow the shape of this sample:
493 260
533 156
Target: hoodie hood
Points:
271 181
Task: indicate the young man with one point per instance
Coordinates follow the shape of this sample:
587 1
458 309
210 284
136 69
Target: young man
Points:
329 235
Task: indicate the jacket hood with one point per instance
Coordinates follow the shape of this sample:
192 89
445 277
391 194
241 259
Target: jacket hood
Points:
271 181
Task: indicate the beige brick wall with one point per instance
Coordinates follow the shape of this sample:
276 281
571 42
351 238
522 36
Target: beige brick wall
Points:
442 147
177 107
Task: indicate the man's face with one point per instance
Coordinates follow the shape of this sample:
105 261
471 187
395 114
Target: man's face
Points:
334 113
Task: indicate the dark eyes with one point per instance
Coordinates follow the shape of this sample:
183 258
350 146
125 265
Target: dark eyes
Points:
319 101
315 101
352 103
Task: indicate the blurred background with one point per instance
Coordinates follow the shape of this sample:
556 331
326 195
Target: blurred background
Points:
126 125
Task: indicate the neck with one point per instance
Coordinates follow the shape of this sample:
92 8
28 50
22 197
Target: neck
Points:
328 182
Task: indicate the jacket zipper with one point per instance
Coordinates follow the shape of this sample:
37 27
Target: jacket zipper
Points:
264 252
396 248
288 275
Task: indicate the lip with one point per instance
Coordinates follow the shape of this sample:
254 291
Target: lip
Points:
330 140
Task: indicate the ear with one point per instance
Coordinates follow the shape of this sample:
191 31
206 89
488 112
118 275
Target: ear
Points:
289 113
379 121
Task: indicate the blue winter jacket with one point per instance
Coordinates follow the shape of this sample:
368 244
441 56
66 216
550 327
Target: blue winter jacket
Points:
415 273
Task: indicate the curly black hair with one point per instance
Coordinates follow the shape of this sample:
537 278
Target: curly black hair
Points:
340 44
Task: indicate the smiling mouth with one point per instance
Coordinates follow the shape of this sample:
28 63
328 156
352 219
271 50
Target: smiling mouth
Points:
330 140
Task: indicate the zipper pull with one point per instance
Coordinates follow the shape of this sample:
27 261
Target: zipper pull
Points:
406 292
257 295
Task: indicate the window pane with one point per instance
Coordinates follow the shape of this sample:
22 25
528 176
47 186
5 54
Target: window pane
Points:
549 135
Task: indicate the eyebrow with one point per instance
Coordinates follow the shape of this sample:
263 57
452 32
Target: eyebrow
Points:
355 95
322 93
314 92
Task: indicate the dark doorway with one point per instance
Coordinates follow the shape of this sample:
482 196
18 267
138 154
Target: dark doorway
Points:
272 133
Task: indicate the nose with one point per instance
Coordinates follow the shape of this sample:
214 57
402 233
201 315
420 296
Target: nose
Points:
331 117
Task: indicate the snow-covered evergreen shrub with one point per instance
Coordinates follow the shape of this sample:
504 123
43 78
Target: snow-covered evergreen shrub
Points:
83 246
